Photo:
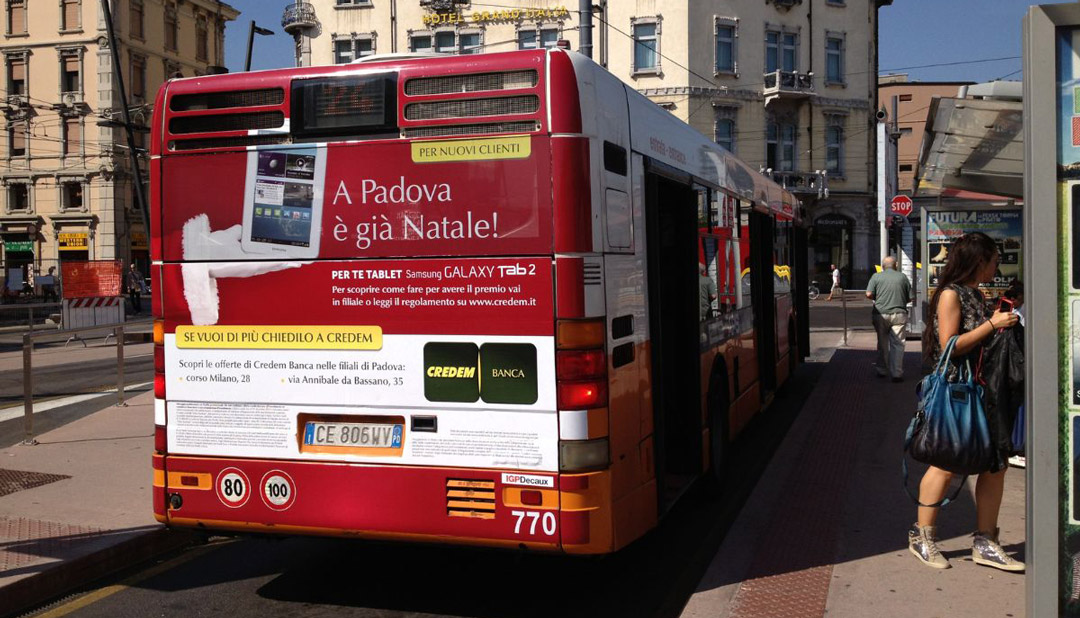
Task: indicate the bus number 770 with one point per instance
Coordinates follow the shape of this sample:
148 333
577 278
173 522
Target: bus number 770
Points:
547 522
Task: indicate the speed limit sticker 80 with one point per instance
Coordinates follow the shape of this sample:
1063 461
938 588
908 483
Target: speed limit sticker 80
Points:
233 487
278 490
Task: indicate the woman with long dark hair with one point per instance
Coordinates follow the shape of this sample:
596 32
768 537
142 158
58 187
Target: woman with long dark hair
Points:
959 309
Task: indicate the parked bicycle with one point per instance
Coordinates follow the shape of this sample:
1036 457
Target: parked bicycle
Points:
814 291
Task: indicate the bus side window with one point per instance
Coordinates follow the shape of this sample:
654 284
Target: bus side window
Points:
745 282
708 270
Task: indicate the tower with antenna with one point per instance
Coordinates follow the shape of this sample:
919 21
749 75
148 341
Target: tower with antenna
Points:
299 20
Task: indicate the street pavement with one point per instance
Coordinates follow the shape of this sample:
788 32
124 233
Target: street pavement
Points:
822 531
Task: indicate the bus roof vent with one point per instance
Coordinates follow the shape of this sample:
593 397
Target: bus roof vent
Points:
227 142
470 108
472 129
470 498
216 123
227 99
477 82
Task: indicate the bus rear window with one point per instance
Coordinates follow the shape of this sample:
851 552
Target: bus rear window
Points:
343 106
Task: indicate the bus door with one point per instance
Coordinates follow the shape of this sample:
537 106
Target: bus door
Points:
761 277
671 245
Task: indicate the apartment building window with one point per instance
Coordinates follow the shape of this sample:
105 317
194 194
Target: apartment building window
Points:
202 41
726 53
171 27
470 43
349 3
70 71
724 126
71 195
420 42
138 76
72 142
18 197
347 50
16 17
834 58
445 42
780 146
71 15
646 34
135 16
834 150
16 66
537 38
17 138
781 51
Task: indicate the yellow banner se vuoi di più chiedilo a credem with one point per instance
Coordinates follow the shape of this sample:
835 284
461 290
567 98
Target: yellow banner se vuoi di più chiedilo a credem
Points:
280 337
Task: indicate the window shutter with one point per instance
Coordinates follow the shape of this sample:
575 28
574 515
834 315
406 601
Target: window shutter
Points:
71 14
73 136
18 17
71 64
18 70
18 136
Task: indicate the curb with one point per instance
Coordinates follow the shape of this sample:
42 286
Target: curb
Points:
69 575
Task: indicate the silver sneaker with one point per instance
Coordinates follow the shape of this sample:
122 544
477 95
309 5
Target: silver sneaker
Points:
986 551
922 541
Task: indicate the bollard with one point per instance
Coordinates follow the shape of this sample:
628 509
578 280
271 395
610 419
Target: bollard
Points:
30 319
119 333
28 392
843 301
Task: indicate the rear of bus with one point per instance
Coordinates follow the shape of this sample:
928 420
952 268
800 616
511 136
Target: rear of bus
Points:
360 331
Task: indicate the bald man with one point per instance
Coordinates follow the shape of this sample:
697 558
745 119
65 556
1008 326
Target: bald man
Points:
891 292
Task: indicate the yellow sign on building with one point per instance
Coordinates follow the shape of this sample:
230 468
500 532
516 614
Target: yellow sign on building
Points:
73 241
483 17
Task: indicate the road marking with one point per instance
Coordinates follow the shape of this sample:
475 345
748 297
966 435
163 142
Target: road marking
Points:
108 591
17 410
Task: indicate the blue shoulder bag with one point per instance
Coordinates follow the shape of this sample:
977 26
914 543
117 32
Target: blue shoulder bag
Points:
949 430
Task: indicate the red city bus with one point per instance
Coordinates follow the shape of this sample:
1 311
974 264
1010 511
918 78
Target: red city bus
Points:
453 299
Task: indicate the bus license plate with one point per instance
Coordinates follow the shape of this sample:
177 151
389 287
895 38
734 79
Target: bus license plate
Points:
370 435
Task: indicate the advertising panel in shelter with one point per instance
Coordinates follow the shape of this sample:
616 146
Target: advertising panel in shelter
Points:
1004 226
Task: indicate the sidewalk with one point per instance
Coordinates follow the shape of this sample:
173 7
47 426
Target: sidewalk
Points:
78 505
826 528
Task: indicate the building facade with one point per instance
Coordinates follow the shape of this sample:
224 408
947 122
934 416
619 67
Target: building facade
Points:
66 179
787 85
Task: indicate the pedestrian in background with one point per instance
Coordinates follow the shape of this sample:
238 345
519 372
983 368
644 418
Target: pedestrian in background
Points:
134 281
891 292
48 286
959 309
835 281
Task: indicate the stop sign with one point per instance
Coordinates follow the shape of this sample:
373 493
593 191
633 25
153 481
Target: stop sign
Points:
901 205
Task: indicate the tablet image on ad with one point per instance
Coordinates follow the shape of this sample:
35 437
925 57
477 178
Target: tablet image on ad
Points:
283 202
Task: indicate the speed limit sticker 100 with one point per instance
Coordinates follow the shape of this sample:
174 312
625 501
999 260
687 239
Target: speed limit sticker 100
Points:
278 490
233 487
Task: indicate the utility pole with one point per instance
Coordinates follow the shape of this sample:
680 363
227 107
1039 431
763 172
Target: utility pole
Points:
585 27
140 197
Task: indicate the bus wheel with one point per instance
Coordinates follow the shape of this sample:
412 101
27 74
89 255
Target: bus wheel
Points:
719 404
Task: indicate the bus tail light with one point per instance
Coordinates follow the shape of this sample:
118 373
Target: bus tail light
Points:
578 334
159 439
581 384
159 359
578 455
159 332
532 497
577 364
582 395
159 385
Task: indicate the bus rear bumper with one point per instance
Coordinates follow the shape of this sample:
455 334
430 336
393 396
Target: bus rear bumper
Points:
497 508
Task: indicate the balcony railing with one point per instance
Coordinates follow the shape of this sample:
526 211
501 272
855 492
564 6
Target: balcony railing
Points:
792 84
802 183
298 16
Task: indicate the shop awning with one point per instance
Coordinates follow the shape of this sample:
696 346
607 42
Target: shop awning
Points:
972 145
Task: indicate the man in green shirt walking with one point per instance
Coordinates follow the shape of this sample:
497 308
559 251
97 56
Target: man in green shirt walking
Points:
891 292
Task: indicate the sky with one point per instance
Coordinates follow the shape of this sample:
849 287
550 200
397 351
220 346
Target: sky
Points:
913 33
